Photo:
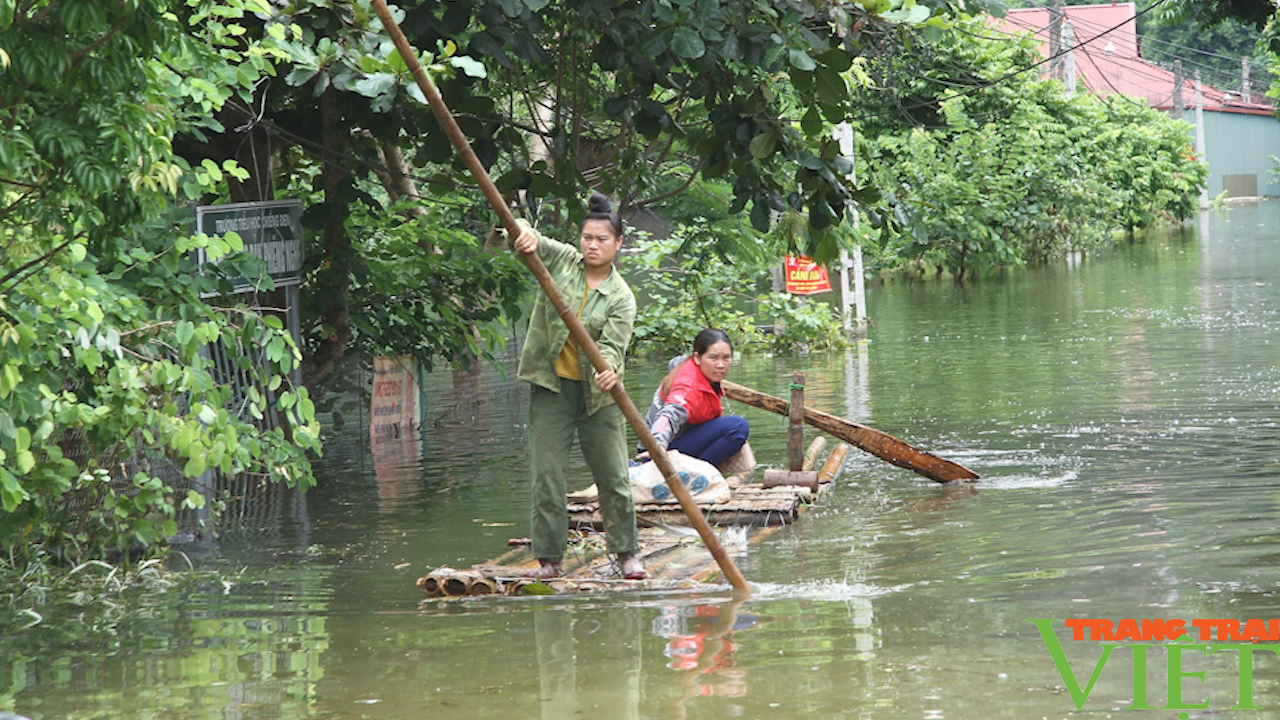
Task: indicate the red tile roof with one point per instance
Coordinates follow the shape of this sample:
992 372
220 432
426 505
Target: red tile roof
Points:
1109 61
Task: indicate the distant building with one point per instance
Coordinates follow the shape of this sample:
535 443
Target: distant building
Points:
1241 133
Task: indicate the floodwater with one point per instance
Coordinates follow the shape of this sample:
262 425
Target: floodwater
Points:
1122 412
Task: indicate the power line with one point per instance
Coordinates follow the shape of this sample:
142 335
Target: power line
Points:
1209 72
1014 73
1093 25
1142 39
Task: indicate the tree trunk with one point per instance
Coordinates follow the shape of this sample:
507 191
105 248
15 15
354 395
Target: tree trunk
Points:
334 281
399 184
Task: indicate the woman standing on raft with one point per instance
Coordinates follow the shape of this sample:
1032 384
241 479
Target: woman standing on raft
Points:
686 414
563 402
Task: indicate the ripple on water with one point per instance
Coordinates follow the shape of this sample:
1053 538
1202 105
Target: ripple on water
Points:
1027 481
822 590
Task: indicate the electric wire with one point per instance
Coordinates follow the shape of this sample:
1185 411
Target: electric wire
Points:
1144 72
1207 70
1093 25
1007 76
1146 38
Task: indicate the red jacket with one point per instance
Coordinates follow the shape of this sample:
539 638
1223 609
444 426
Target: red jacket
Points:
691 389
690 401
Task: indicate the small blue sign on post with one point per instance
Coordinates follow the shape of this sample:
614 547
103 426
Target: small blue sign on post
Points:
271 231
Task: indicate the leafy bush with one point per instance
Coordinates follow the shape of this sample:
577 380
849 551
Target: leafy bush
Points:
807 323
1013 170
103 382
684 285
455 301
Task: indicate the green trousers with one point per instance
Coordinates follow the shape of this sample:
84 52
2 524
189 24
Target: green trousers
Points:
553 419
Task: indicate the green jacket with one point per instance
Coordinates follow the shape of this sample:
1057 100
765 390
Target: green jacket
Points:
609 317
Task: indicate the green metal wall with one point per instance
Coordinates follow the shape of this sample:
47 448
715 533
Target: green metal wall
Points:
1237 144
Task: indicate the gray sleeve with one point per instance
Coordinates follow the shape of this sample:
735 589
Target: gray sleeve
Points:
670 420
665 420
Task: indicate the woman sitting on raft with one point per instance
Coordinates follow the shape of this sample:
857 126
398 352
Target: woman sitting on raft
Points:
686 414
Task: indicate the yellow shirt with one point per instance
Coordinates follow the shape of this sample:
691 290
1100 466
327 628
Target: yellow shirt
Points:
568 363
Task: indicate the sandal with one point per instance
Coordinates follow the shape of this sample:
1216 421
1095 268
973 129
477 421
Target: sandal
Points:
631 567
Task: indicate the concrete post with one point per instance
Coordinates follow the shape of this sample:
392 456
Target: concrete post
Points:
1055 39
1245 90
1200 149
1069 64
1176 109
855 321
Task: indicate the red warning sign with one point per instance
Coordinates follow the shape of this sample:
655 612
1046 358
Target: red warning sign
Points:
805 277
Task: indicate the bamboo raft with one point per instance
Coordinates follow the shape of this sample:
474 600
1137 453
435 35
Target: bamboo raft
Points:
674 557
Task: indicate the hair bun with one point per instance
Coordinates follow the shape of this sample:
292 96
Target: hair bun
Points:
599 203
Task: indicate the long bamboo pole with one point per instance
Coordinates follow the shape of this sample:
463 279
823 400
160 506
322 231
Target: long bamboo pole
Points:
576 329
881 444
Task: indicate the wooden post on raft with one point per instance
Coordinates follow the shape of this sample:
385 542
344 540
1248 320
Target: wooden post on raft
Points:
795 426
566 313
797 474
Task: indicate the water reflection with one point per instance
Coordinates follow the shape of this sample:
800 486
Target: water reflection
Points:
701 646
1123 411
608 687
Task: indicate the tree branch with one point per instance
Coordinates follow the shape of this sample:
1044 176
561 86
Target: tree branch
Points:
14 205
19 15
684 186
102 40
42 259
7 181
507 121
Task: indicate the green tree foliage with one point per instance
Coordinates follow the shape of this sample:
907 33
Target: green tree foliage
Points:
638 99
1258 14
996 168
703 274
102 378
431 304
1215 51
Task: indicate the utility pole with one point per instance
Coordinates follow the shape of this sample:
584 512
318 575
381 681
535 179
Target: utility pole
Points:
1176 109
1069 67
1055 39
1244 78
855 322
1200 150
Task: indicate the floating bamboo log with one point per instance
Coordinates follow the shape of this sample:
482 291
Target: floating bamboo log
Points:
449 582
456 585
834 462
430 586
815 449
882 445
482 586
776 477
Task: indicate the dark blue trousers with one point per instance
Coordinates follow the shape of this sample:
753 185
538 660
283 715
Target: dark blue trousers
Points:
715 440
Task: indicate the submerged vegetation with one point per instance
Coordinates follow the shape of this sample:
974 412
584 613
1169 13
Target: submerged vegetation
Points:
1011 169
